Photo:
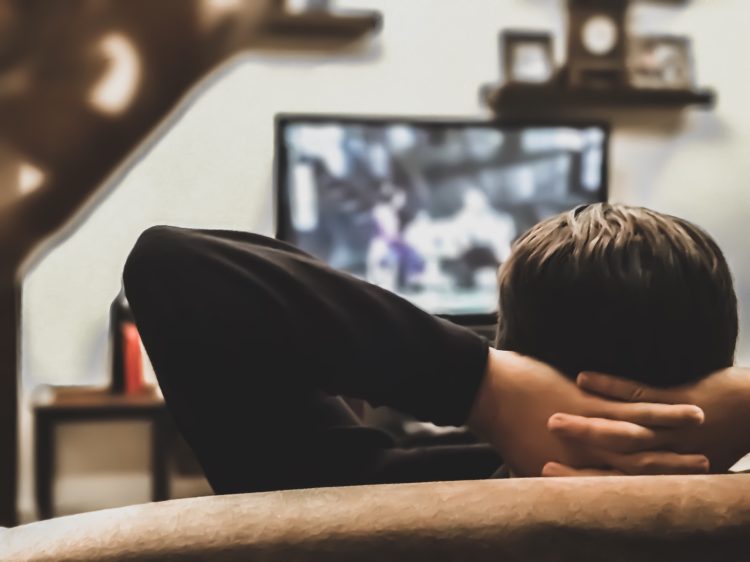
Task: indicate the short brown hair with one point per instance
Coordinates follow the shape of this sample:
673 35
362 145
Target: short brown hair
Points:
622 290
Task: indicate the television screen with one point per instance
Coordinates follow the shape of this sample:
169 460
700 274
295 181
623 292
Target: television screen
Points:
429 209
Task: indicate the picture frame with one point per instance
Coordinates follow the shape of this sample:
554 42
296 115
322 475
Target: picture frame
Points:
661 62
527 56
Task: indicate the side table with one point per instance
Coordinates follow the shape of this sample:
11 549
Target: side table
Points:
72 404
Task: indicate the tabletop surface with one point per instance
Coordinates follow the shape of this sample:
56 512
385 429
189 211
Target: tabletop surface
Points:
63 398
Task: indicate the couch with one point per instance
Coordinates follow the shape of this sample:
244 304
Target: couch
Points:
655 518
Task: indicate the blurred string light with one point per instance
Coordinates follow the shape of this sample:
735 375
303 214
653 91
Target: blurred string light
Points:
114 92
223 5
213 11
30 178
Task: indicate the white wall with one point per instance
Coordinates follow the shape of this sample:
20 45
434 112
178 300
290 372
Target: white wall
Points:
213 167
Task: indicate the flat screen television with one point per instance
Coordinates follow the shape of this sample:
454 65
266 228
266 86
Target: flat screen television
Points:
429 209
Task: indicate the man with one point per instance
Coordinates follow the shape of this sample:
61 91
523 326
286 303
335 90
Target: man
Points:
618 289
252 340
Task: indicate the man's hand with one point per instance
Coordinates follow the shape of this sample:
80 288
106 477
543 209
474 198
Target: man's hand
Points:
520 397
724 396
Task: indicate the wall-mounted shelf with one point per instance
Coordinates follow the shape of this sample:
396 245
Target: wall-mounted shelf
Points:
339 25
554 98
607 69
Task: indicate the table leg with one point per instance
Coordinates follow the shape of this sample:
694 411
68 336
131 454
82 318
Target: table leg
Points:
44 445
159 476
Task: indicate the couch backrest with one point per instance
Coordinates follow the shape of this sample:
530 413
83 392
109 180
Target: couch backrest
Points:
579 519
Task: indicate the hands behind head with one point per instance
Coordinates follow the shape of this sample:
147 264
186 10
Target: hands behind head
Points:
543 423
723 438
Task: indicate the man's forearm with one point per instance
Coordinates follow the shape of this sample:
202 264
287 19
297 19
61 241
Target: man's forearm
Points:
745 384
725 398
519 398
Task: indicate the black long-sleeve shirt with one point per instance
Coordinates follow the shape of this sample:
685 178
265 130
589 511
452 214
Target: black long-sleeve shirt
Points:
347 336
250 337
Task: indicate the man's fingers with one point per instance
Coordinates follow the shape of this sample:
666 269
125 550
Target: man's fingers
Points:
620 389
640 404
552 469
610 435
657 415
659 462
649 463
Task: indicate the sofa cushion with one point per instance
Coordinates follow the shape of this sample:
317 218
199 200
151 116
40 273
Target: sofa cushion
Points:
655 518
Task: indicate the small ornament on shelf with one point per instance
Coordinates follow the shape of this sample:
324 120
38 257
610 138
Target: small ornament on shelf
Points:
597 39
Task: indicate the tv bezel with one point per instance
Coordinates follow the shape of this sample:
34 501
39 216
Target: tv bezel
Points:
280 184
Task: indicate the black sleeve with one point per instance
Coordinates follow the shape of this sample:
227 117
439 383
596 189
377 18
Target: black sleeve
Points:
231 303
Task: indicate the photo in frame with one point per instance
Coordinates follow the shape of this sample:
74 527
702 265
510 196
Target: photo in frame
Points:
527 56
661 62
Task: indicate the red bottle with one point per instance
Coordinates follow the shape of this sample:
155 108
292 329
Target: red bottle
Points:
125 342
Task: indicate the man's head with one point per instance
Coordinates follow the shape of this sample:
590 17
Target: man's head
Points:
621 290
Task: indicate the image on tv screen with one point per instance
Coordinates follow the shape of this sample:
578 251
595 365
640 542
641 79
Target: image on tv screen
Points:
430 210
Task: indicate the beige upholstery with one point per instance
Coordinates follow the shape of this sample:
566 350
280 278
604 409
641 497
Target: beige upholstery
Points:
704 518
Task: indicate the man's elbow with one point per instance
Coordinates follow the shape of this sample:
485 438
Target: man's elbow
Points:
156 255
